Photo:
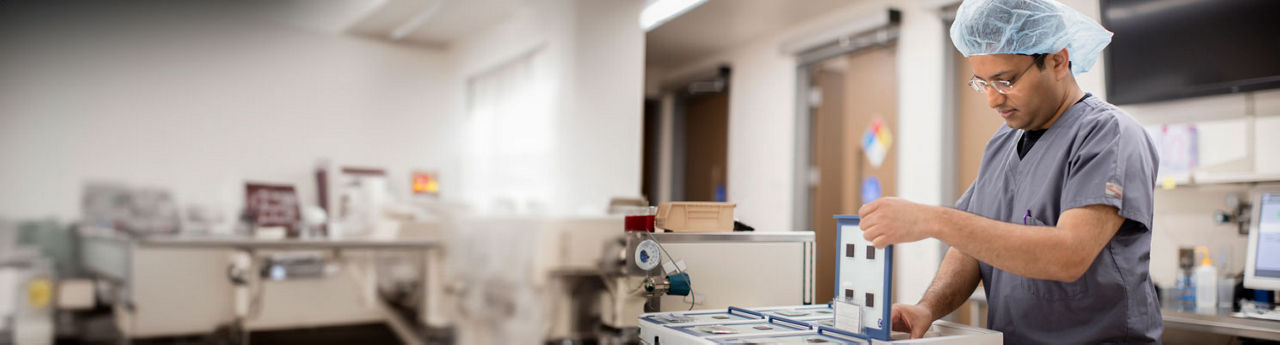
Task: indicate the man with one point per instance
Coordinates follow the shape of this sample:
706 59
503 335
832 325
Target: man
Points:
1057 226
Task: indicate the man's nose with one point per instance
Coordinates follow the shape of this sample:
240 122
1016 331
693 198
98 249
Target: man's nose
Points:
994 98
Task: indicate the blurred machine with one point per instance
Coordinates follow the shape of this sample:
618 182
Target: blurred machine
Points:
26 297
585 280
858 315
754 268
634 275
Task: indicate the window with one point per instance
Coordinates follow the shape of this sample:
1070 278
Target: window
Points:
509 139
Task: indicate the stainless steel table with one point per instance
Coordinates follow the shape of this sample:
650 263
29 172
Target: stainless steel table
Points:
108 256
1221 322
737 236
251 243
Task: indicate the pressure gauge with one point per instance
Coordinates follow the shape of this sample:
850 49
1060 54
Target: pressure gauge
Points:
648 255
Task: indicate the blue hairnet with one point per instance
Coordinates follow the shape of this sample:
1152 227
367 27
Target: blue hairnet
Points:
985 27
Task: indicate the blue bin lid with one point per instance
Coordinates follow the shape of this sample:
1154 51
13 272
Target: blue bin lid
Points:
852 217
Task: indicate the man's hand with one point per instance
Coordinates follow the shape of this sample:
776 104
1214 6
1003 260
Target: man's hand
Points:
891 220
911 318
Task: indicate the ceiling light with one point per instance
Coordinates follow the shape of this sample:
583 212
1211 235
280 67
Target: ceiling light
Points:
660 11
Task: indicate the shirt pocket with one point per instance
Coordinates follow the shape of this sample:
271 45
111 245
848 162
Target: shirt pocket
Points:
1050 290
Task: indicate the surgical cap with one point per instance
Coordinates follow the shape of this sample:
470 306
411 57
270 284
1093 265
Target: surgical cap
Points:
1027 27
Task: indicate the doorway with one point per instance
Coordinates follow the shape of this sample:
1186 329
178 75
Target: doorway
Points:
706 146
686 140
853 160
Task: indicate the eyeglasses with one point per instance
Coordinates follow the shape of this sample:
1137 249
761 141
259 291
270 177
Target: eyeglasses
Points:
1004 87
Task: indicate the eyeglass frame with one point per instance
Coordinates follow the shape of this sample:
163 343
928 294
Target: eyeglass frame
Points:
980 86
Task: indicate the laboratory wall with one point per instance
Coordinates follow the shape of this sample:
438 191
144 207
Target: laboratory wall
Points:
1235 140
588 59
200 98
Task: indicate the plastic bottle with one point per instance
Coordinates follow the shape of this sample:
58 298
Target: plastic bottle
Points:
1186 298
1206 281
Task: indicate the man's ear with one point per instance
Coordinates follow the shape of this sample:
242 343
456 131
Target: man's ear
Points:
1060 64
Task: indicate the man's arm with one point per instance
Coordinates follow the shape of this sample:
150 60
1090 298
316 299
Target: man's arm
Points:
1062 253
956 279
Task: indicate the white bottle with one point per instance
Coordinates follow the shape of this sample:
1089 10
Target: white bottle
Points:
1206 278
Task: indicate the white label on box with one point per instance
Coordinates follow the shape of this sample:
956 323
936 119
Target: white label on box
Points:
848 317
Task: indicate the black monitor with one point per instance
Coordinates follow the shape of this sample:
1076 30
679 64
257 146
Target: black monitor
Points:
1170 49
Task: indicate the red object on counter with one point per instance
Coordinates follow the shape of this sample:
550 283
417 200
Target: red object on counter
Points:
639 223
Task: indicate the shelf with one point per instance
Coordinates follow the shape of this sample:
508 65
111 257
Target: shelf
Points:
1204 178
1221 178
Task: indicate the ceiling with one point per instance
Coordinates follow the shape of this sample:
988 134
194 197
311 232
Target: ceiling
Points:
713 27
718 25
431 22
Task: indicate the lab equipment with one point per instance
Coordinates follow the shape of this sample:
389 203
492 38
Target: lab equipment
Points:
296 265
771 325
862 280
821 312
823 335
1028 27
695 216
635 279
136 211
552 290
211 281
272 205
1206 278
742 268
1262 264
731 314
863 275
356 199
27 306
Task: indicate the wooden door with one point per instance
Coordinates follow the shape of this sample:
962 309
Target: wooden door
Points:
869 96
706 146
827 155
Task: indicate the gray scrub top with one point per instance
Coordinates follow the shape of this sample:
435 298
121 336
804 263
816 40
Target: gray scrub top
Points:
1095 154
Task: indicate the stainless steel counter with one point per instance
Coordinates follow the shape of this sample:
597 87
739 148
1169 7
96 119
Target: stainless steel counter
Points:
740 236
251 243
1221 322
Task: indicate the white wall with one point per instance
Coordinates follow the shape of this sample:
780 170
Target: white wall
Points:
1184 215
201 99
591 57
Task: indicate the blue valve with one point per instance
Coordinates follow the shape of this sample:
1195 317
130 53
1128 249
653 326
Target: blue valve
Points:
679 284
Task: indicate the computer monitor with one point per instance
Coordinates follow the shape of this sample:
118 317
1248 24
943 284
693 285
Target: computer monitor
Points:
1262 268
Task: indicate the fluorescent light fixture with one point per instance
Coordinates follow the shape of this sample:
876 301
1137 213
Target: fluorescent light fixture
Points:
657 12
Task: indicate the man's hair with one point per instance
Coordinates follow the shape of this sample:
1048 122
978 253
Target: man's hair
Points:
1039 60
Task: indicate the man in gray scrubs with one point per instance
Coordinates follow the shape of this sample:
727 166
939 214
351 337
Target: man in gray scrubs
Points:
1057 225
